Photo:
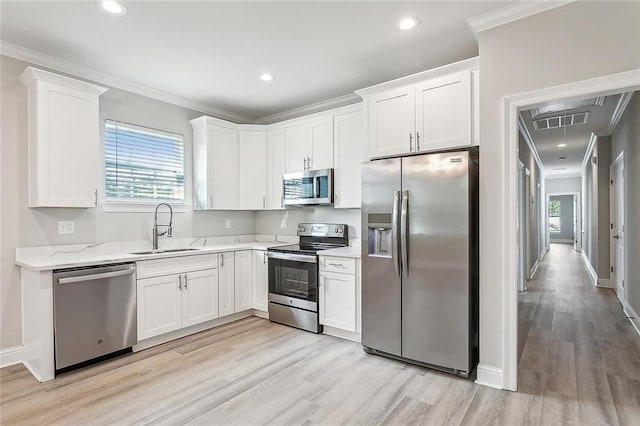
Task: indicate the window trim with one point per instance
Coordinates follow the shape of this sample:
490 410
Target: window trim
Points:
142 206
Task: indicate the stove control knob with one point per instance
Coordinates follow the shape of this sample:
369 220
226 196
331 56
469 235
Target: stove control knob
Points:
303 229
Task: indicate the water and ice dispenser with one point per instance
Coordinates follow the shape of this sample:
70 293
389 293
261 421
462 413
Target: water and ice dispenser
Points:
379 234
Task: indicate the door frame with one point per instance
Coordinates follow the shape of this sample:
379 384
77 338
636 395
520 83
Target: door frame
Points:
619 161
578 213
628 81
522 170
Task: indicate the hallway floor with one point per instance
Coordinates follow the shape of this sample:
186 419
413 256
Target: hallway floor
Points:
579 357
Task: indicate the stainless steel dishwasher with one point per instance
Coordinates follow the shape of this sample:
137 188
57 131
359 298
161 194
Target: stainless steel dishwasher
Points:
94 312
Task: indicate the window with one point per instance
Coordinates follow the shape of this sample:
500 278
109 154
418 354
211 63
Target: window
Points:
143 164
554 216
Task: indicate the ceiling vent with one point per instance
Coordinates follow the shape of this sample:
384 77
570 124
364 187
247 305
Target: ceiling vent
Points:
561 121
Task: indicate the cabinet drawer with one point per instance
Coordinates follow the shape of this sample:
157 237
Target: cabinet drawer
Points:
175 265
337 264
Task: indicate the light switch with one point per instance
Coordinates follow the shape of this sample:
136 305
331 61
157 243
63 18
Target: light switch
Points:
66 227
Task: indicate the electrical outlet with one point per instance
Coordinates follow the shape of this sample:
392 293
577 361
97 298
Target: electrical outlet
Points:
228 223
283 224
66 227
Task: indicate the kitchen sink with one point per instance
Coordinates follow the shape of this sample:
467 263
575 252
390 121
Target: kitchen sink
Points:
164 251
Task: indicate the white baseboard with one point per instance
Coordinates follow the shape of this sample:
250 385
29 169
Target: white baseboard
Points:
489 376
260 314
633 317
592 272
11 356
605 283
543 253
534 269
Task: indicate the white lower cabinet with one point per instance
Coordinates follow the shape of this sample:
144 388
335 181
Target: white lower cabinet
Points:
339 293
260 281
170 302
226 285
243 280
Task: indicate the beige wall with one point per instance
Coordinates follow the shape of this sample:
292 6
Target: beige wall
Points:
532 208
23 227
574 42
626 137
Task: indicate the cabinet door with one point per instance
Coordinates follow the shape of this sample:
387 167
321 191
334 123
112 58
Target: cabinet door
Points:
338 300
296 147
392 122
253 169
244 280
67 150
226 284
347 145
443 112
223 168
260 280
159 306
275 169
320 151
199 297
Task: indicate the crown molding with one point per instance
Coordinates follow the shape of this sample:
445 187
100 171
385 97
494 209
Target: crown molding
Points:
510 13
337 102
522 126
624 100
75 70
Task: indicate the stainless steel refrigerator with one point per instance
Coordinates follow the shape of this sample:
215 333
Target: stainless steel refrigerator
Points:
420 259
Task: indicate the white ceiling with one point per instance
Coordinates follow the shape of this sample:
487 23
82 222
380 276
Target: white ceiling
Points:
213 52
576 137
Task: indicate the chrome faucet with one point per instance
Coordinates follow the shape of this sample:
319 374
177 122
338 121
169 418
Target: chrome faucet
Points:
156 233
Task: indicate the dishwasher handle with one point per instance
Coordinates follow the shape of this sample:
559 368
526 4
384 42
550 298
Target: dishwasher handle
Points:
91 277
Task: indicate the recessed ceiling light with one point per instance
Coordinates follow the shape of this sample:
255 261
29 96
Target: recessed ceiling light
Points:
562 145
408 23
114 7
266 77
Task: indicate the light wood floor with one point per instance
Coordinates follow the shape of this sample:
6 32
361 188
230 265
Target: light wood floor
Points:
580 364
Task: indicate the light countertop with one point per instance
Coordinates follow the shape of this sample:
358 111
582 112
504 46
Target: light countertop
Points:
78 255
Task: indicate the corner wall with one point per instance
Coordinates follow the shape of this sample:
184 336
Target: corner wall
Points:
626 137
589 39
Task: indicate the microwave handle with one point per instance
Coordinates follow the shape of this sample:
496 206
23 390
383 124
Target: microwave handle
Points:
316 187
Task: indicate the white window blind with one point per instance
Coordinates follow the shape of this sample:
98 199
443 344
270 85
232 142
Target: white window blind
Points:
143 164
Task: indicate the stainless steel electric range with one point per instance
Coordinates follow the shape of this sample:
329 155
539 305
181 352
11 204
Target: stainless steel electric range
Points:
293 275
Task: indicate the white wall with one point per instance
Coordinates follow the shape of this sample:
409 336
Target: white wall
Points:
574 42
23 227
563 185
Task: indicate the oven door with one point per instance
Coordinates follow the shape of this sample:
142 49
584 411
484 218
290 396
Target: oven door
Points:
293 280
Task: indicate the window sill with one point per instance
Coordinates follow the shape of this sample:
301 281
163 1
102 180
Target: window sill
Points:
124 207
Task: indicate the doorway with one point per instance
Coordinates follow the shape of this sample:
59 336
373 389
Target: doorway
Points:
563 218
616 173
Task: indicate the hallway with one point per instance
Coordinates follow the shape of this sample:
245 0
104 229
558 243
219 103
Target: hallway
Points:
579 357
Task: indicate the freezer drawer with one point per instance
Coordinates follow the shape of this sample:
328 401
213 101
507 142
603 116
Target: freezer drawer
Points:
94 312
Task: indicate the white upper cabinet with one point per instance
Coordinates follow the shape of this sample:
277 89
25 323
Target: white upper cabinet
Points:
64 140
432 110
275 168
296 147
309 145
443 112
253 169
348 140
391 122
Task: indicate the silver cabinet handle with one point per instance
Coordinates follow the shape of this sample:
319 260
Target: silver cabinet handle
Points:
264 258
180 282
305 163
338 265
417 141
222 260
95 202
264 202
185 281
394 234
309 163
404 234
410 142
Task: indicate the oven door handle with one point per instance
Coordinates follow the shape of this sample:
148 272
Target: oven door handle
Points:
293 257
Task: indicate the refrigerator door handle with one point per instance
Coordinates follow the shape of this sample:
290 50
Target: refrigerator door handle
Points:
404 234
394 234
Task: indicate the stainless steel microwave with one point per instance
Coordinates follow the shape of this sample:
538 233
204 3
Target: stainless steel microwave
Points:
308 188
